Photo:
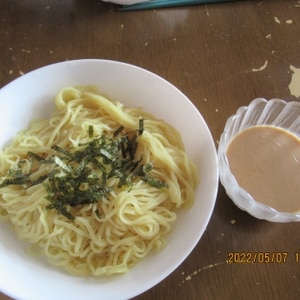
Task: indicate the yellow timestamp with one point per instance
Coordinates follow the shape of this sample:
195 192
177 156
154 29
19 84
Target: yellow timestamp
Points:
258 257
297 257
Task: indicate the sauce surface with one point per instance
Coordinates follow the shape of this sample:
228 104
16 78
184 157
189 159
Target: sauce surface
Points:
265 161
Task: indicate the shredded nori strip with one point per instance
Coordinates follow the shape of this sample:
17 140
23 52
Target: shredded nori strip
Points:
79 176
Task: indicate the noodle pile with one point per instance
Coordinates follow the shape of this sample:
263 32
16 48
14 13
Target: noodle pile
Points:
109 236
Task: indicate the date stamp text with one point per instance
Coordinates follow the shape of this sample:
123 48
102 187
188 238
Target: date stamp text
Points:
263 257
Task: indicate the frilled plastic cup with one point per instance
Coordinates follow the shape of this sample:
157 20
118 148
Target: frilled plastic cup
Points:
275 112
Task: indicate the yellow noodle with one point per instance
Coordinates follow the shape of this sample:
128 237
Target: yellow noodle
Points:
132 222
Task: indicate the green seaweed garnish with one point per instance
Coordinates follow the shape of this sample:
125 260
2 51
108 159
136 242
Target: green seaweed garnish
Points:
79 176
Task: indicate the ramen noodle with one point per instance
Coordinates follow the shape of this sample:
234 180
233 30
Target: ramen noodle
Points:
97 186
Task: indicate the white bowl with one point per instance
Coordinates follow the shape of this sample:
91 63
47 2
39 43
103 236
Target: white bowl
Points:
275 112
31 96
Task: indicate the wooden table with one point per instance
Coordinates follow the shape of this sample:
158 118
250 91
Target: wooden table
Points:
221 56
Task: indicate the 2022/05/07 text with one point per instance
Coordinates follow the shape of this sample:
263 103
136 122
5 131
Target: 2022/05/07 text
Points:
261 257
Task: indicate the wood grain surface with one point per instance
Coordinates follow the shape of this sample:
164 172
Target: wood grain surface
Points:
221 56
